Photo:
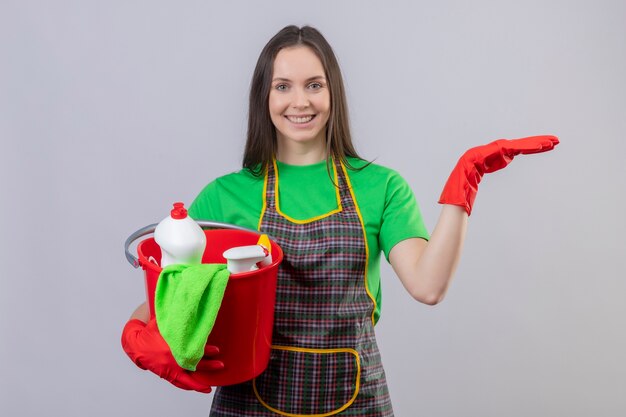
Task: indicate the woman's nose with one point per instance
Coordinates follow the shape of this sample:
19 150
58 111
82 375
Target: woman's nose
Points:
300 99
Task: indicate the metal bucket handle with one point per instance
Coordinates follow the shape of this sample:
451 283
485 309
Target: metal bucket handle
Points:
150 229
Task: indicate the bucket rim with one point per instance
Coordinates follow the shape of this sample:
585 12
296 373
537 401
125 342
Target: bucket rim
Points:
146 230
277 257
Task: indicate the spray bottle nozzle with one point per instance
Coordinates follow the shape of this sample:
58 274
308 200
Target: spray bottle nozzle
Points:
245 258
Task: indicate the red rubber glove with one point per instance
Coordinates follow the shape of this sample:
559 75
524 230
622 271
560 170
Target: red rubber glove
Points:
146 347
462 185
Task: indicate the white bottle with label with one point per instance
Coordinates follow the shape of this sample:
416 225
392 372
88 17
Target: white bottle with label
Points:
181 239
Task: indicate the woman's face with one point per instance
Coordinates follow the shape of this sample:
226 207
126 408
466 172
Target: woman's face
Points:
299 101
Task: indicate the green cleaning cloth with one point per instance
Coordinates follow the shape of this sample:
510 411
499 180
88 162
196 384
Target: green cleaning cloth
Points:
186 303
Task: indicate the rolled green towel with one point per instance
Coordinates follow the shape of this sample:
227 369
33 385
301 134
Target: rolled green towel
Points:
186 303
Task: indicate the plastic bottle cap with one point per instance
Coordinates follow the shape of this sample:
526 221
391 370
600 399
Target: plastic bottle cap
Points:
179 211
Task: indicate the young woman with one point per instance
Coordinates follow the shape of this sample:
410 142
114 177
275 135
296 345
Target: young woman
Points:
332 213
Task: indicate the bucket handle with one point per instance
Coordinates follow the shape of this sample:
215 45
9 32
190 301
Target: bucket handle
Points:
150 229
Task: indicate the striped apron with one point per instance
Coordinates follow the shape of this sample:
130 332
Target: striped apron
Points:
324 358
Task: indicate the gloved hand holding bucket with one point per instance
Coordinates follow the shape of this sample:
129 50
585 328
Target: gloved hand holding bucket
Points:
238 346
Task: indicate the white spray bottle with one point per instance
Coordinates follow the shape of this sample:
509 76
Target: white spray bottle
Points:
181 239
249 258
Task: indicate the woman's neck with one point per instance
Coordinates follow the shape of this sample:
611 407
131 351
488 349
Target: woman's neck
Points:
301 153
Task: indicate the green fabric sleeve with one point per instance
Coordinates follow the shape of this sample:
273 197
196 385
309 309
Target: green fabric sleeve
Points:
389 208
235 198
401 217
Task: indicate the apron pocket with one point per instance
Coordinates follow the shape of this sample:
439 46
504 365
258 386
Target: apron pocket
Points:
304 382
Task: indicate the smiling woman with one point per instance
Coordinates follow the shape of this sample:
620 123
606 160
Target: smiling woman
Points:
333 214
297 64
299 106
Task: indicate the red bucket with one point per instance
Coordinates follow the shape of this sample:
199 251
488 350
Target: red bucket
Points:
243 327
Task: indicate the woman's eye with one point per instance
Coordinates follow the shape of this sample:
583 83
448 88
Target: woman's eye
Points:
315 86
281 87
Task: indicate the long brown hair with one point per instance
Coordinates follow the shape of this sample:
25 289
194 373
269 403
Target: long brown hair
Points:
261 144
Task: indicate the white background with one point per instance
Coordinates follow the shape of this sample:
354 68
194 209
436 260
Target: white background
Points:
110 111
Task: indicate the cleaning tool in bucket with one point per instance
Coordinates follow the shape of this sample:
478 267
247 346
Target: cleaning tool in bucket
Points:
245 258
181 239
264 241
187 300
243 327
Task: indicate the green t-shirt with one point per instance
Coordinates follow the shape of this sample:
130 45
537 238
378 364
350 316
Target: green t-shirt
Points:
387 204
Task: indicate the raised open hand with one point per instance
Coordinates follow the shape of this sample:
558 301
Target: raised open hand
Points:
462 185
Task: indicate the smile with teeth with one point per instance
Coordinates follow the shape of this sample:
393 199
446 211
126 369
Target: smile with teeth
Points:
300 119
